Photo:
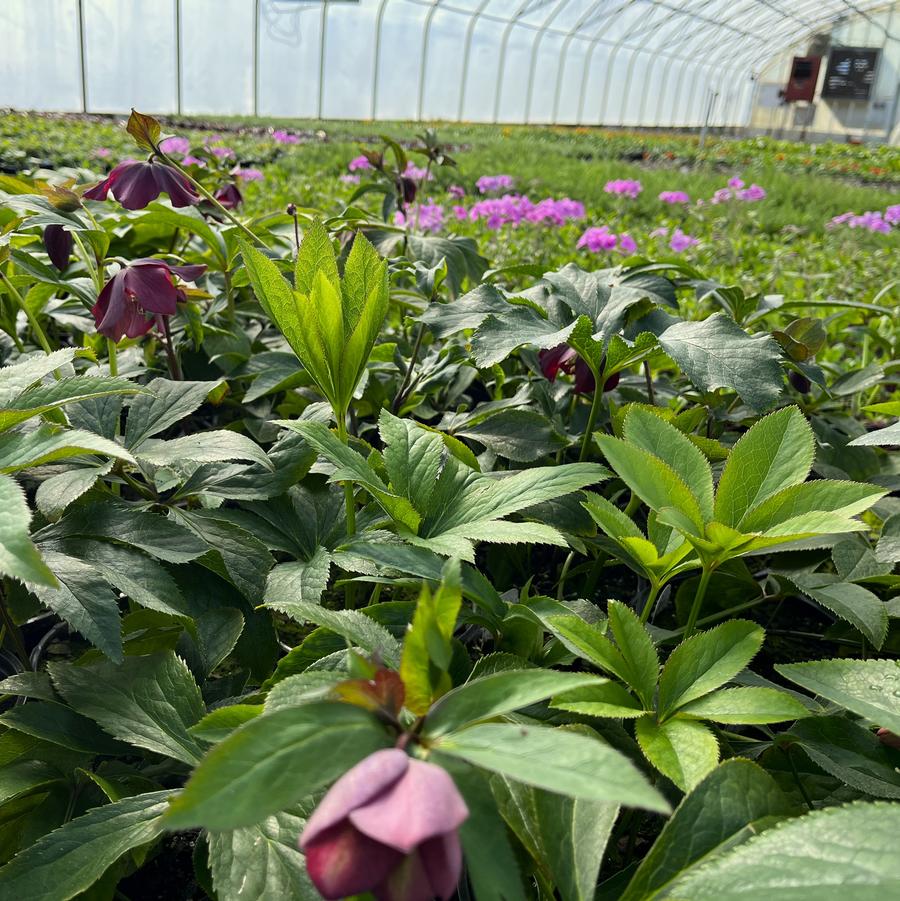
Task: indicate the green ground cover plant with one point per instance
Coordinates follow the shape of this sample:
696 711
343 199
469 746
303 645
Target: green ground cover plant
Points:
474 512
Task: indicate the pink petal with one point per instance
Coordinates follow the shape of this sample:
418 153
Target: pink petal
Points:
368 779
442 859
421 804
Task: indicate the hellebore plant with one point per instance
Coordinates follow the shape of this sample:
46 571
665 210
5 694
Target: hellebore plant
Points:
134 184
388 826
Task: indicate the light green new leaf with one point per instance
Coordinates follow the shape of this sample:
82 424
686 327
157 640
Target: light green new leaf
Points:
559 760
637 649
683 750
607 700
651 479
705 661
775 453
869 688
273 761
653 434
723 809
752 705
150 702
828 855
19 557
69 860
315 255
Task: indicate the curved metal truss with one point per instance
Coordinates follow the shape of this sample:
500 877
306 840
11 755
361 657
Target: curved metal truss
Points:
611 62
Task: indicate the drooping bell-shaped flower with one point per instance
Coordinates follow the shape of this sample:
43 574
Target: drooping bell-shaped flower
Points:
58 243
388 826
563 358
135 184
229 196
142 287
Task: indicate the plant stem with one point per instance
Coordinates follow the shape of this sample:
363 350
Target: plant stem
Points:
171 356
651 600
208 196
798 780
648 377
349 500
592 418
698 601
113 357
399 397
562 576
229 297
13 630
32 319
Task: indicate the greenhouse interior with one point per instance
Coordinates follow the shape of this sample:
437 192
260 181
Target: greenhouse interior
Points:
449 449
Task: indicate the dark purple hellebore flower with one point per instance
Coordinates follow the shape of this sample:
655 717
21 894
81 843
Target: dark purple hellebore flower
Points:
58 243
141 287
388 826
229 196
135 184
408 189
563 358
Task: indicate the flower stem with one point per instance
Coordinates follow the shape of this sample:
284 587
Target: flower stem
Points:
651 600
698 601
171 356
592 418
560 591
349 500
400 396
113 357
32 319
208 196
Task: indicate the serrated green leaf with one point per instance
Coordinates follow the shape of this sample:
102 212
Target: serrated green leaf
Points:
69 860
163 404
16 378
751 705
868 688
705 661
46 444
827 855
19 557
606 700
558 760
149 702
273 761
637 649
214 446
683 750
775 453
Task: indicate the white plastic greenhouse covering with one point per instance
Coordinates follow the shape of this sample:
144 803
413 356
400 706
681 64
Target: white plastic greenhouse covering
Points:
611 62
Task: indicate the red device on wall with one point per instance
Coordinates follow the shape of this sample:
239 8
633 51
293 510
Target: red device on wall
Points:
804 78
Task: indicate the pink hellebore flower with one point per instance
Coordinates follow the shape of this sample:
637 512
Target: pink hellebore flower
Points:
681 241
754 192
627 244
892 214
735 183
248 174
624 186
387 826
674 197
457 192
284 137
222 152
597 238
135 184
349 179
143 286
489 183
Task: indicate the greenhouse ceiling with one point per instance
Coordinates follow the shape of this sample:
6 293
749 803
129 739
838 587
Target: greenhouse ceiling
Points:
618 62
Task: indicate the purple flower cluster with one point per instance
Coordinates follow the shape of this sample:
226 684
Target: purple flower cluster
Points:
175 144
678 240
429 217
674 197
511 209
600 238
876 221
736 190
491 184
457 192
248 174
416 173
624 186
284 137
359 163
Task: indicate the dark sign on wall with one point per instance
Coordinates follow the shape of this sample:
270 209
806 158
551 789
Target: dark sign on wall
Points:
850 73
804 78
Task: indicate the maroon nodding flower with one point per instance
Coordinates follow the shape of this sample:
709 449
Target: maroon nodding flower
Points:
135 184
58 243
142 287
387 826
229 196
563 358
408 189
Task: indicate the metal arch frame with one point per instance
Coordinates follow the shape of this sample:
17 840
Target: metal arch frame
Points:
376 62
323 30
501 61
535 47
467 53
426 34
